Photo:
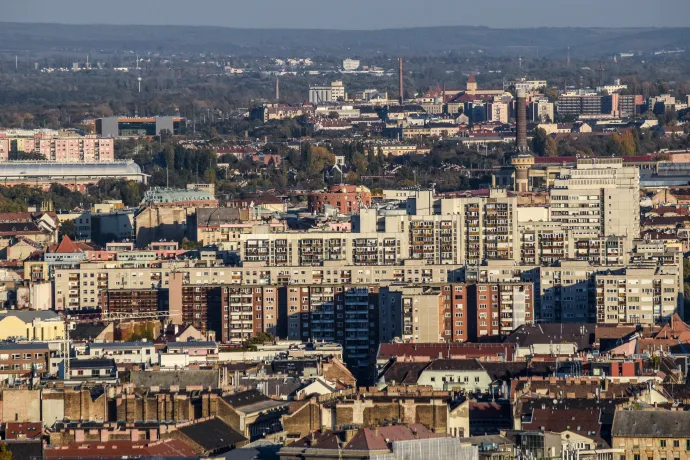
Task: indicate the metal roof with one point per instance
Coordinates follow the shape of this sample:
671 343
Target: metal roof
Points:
50 168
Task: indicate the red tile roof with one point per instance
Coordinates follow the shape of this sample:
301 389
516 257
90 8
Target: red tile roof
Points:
446 350
22 431
172 448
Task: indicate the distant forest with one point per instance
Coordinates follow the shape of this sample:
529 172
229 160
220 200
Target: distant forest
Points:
531 42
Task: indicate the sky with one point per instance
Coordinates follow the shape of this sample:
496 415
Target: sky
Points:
354 14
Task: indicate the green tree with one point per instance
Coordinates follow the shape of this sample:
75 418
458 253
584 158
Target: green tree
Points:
5 453
68 228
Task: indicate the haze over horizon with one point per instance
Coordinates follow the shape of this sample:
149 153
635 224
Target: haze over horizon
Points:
355 14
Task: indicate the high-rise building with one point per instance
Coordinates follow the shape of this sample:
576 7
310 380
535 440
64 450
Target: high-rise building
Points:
600 196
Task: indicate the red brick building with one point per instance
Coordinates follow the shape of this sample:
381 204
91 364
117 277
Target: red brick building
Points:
347 199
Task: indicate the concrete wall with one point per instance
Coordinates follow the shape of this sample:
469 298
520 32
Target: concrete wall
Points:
21 405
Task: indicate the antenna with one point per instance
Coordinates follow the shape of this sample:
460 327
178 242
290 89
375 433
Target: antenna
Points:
567 60
137 62
139 81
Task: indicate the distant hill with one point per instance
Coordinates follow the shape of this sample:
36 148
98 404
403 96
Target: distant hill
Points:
583 42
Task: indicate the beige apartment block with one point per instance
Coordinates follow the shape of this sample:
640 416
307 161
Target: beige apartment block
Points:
599 195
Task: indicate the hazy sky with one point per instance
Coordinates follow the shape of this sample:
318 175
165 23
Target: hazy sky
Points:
354 14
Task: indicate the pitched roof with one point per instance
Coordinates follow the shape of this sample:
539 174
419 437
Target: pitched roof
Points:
87 331
245 398
654 424
582 335
446 350
212 434
170 448
22 431
403 373
455 365
66 246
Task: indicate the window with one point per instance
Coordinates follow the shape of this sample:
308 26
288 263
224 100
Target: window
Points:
662 443
636 457
676 443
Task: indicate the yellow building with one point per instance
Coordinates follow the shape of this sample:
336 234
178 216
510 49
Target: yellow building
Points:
31 325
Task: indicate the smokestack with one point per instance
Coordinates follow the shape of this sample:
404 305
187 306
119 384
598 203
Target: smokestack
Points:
277 89
402 88
521 121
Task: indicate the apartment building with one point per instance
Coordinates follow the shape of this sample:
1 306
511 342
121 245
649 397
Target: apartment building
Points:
328 93
133 301
496 309
58 146
412 313
20 360
346 314
599 196
81 286
636 296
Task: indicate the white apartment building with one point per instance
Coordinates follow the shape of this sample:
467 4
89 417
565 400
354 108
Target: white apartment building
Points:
600 196
350 64
331 93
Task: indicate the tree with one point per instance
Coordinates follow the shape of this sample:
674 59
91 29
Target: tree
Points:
540 141
5 454
359 163
625 143
260 338
68 228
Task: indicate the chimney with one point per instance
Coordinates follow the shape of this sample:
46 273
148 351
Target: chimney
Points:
402 88
277 89
521 121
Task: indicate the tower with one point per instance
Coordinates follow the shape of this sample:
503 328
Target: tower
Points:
521 121
402 88
522 163
471 87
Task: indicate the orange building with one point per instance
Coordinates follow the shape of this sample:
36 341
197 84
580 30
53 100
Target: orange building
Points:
347 199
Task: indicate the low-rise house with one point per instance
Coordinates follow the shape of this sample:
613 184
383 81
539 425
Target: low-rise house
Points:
90 370
194 351
124 352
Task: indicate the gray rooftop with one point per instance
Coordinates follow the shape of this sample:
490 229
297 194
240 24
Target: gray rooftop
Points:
183 378
651 424
23 346
30 315
122 345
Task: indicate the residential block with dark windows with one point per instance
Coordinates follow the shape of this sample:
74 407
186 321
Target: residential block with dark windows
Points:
20 360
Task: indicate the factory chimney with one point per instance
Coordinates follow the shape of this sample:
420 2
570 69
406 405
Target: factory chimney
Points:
277 89
521 121
402 88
